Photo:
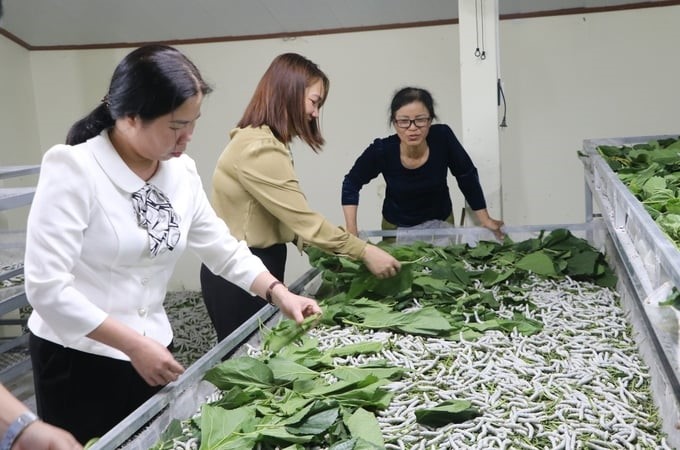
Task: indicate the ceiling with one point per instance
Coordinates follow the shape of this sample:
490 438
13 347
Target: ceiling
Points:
40 24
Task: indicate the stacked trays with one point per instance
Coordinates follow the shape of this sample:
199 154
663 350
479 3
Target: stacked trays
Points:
14 360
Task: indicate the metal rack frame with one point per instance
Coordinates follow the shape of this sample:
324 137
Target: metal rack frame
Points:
627 219
11 198
651 262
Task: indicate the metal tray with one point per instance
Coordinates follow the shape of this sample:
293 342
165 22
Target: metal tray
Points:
183 399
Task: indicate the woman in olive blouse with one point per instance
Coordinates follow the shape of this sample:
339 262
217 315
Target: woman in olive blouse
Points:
257 193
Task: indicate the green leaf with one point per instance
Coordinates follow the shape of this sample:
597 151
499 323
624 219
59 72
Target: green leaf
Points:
218 425
344 445
366 392
673 299
360 348
425 321
654 184
316 423
361 283
286 370
322 390
430 284
291 403
610 150
287 332
241 371
237 396
583 263
451 411
492 277
281 434
665 156
483 249
538 262
353 374
673 206
393 286
364 425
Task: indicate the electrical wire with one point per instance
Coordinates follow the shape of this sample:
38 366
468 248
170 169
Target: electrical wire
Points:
481 8
477 52
503 123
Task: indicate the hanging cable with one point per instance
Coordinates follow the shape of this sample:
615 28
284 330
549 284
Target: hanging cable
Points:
477 52
481 8
479 19
501 96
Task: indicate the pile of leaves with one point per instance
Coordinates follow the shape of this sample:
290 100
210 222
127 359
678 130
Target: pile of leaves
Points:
295 396
448 287
651 171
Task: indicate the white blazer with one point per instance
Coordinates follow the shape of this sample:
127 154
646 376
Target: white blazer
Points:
87 258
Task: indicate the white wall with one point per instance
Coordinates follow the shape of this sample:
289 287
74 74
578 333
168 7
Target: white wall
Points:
68 84
578 77
355 113
364 70
17 106
18 134
567 78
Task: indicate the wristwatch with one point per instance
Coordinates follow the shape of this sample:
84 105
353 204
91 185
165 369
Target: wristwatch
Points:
16 428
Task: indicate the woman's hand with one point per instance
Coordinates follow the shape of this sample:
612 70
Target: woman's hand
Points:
379 262
488 222
154 362
496 227
150 359
294 306
43 436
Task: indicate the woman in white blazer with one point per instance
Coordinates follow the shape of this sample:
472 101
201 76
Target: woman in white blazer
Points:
113 211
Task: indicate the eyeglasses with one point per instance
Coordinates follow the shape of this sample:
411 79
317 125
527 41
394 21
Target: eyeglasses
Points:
419 122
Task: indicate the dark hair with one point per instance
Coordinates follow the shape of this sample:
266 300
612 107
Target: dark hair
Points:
279 100
408 95
149 82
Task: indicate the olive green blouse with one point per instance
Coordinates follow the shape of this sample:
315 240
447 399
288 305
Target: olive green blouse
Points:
257 193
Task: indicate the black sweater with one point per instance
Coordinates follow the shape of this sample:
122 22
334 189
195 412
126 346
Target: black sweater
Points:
414 196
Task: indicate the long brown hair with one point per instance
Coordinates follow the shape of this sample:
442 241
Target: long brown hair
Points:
279 100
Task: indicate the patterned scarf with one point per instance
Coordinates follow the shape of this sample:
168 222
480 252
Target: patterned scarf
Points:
155 213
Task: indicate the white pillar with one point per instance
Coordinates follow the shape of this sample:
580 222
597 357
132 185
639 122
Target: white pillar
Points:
479 74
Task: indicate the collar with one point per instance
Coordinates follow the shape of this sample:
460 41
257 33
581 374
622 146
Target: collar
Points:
119 173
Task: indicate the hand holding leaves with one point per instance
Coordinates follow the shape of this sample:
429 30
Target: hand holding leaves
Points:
288 332
295 306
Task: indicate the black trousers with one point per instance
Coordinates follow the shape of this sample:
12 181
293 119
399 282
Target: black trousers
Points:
228 305
83 393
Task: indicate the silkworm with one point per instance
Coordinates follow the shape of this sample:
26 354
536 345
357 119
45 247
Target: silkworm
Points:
578 383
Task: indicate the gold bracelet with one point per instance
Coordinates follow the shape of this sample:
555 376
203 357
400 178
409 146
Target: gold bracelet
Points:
269 291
